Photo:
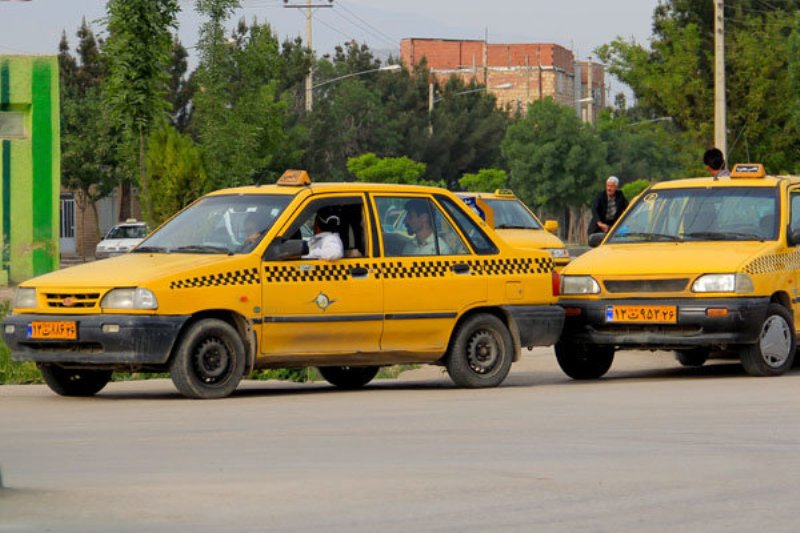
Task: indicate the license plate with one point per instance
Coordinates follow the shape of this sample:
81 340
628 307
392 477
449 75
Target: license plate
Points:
651 314
60 330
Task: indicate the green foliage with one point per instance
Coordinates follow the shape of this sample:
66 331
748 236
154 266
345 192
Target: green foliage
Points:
676 77
371 168
556 161
175 172
486 180
631 190
13 372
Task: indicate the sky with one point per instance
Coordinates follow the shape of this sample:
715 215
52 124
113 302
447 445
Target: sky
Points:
35 26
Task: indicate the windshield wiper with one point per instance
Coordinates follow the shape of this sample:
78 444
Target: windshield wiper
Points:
724 236
512 226
148 250
202 249
646 236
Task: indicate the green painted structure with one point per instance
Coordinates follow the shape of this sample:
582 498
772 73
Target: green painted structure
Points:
30 167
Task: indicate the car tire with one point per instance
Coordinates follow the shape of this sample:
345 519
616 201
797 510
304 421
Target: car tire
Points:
74 382
348 377
696 357
774 351
481 352
209 361
584 361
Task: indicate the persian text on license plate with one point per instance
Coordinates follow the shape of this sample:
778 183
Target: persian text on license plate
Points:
59 330
655 314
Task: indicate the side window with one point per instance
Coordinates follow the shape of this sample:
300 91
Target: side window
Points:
479 240
414 226
332 227
794 223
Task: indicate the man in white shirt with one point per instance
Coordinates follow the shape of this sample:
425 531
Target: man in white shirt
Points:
418 223
326 242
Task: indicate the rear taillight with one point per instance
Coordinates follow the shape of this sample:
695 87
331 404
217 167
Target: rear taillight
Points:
556 283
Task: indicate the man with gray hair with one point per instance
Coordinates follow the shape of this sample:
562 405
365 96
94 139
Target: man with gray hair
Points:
608 206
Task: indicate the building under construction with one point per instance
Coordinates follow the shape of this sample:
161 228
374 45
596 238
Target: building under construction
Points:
517 74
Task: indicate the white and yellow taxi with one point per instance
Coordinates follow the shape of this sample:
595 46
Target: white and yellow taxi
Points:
224 288
704 267
516 224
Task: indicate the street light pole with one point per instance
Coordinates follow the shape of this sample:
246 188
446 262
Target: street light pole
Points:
310 76
720 118
385 68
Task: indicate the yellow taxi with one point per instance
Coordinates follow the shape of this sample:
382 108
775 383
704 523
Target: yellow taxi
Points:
516 224
705 267
235 282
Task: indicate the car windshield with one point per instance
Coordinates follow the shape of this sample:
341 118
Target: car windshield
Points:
128 232
709 214
512 214
218 225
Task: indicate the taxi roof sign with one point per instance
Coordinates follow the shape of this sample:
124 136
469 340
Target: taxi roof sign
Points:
748 170
504 192
295 178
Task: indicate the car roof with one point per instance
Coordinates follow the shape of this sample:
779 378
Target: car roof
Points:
705 182
353 187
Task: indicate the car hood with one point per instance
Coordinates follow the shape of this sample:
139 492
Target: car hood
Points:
118 243
529 238
128 270
667 258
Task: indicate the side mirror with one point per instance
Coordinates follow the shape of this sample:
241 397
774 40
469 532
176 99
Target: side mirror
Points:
595 239
551 226
793 236
286 249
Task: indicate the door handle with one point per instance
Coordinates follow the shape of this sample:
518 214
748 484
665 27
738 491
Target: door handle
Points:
461 268
359 272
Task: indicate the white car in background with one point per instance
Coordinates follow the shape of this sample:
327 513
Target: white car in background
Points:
121 238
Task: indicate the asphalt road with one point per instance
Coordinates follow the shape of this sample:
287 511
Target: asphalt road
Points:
651 447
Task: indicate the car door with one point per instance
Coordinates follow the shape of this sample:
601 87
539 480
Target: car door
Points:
317 306
426 286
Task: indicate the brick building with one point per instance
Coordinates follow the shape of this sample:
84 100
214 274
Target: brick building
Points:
531 71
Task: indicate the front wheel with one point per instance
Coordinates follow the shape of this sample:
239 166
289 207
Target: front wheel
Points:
209 361
773 353
348 377
481 352
74 382
584 361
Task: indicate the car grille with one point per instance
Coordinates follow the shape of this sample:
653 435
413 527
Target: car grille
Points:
72 300
646 285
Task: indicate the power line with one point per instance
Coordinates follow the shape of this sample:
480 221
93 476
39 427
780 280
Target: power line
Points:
370 27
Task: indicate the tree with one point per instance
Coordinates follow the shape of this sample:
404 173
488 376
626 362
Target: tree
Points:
556 161
675 77
371 168
138 49
485 180
175 171
181 88
89 143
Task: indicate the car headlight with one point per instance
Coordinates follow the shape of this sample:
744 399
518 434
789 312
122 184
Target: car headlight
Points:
137 298
558 253
739 283
579 285
25 297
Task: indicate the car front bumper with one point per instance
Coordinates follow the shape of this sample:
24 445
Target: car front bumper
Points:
586 323
102 339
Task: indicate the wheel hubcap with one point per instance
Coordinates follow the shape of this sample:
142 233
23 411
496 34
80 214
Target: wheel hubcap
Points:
211 360
483 352
775 341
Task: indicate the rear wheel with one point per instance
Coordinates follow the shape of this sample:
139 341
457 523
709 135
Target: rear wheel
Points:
584 361
481 352
693 358
209 361
74 382
773 353
348 377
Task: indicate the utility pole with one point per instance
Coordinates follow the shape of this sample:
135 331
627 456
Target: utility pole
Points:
720 120
310 76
